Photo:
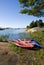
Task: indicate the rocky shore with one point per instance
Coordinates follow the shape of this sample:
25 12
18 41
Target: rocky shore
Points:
34 29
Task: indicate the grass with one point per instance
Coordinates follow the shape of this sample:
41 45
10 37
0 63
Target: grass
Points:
31 57
3 38
15 48
38 36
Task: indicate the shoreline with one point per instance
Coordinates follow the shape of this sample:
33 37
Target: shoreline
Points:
31 30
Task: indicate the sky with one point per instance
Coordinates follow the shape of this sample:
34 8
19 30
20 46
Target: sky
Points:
10 16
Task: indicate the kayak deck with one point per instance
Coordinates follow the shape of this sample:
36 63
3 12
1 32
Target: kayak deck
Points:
24 43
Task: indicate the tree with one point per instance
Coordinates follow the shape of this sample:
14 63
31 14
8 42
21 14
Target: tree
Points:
40 22
32 24
37 23
27 27
32 7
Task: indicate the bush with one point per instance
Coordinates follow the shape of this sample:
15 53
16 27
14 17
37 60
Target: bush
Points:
3 38
38 36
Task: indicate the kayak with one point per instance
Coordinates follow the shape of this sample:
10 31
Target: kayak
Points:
26 43
36 43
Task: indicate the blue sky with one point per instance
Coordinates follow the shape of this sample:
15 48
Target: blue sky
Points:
10 16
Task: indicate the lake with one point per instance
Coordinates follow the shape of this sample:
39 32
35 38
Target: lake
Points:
14 33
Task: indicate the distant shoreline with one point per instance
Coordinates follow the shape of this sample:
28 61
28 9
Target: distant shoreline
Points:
10 28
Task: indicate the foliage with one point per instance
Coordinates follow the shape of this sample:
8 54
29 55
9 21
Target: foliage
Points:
3 38
15 48
32 24
32 7
38 36
27 27
37 23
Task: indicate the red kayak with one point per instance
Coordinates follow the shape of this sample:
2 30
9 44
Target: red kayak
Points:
24 43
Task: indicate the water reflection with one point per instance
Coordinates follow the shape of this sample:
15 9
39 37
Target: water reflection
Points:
14 34
19 36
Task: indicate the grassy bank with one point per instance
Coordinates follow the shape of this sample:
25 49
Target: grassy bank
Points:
31 57
4 38
38 36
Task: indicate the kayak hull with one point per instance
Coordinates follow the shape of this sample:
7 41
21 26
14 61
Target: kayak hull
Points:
36 44
29 44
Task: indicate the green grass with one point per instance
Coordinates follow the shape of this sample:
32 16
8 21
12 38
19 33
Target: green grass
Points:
3 38
15 48
31 57
38 36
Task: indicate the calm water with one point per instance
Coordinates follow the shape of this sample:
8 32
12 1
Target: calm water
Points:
14 33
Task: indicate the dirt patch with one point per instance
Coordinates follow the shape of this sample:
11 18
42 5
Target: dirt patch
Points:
7 56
